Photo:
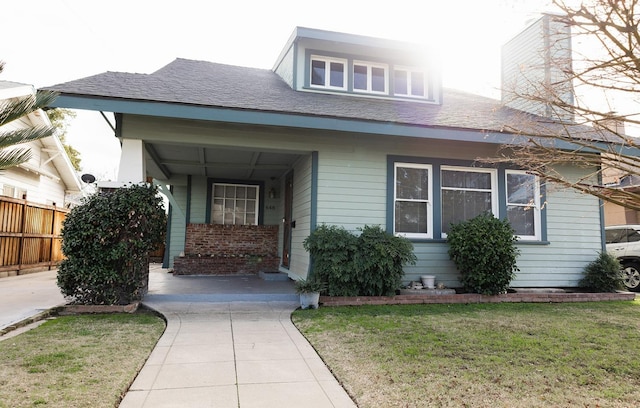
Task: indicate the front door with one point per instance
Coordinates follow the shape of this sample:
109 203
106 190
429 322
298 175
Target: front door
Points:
286 220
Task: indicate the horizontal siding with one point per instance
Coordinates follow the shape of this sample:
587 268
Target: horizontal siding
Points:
352 192
574 235
352 187
198 204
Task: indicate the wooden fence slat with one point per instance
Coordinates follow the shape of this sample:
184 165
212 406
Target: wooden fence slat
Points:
30 234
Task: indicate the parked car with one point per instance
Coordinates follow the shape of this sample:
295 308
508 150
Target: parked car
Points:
623 242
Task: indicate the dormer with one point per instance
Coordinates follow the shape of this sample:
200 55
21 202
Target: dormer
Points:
346 64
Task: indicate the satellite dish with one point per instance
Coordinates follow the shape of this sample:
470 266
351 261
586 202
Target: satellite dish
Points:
88 178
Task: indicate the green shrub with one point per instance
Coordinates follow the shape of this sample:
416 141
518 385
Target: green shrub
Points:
106 241
379 261
332 249
370 264
602 274
312 285
483 249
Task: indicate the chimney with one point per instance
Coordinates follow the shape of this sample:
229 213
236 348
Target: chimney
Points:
537 68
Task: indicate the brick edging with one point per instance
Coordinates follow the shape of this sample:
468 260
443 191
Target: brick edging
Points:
475 298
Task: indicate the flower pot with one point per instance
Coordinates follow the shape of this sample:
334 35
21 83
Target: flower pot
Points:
428 281
309 300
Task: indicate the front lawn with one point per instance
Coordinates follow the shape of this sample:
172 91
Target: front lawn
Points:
482 355
76 361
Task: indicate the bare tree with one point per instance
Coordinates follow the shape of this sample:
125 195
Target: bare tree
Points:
583 128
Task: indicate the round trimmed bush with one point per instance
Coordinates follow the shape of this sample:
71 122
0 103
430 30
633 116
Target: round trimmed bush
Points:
106 241
483 249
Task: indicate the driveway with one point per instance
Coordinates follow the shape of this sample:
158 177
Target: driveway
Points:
24 296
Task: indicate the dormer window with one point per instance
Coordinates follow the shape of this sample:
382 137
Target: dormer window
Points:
409 82
339 73
370 77
328 73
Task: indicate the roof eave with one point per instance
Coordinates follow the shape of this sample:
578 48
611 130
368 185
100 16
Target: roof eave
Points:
279 119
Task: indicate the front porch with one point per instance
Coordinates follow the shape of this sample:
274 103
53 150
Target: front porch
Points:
214 249
166 286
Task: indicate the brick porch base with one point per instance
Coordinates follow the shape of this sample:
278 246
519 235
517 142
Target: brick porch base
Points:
224 265
212 249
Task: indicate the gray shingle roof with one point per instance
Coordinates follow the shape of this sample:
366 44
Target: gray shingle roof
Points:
210 84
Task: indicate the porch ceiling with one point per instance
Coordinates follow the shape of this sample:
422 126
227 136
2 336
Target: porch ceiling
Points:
168 160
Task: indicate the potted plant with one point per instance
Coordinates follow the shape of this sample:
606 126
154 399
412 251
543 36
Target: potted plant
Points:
309 291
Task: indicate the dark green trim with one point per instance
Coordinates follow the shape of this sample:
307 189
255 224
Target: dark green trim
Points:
118 132
207 211
437 164
294 78
603 237
390 192
313 216
187 214
543 215
289 175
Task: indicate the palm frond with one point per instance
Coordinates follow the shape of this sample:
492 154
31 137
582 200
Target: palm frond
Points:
14 137
13 158
13 109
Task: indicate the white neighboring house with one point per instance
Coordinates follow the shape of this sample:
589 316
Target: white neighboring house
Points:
48 177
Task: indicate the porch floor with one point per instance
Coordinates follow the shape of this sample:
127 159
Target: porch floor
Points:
205 288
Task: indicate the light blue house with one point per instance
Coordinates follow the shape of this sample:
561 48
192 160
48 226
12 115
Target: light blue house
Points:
345 130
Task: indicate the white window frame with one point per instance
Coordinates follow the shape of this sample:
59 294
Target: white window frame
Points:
408 71
370 66
493 190
327 76
428 202
224 214
16 191
534 205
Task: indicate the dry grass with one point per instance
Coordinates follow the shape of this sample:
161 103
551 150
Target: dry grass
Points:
492 355
76 361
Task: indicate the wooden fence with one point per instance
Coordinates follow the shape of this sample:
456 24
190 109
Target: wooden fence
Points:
30 236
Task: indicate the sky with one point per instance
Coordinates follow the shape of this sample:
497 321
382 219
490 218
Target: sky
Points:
55 41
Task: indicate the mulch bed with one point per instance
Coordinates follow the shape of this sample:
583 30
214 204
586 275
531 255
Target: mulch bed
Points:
475 298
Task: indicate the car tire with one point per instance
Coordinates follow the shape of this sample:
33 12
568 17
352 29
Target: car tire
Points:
631 275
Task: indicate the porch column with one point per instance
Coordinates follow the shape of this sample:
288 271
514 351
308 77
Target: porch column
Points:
132 164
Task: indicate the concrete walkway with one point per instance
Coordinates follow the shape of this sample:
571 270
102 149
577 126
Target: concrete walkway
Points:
226 349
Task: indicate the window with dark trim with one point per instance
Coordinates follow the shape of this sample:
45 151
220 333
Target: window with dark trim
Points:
413 212
523 204
429 195
328 72
466 193
409 82
370 77
377 78
235 204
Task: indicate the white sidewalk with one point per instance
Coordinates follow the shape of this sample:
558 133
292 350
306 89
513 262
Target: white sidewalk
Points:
233 354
